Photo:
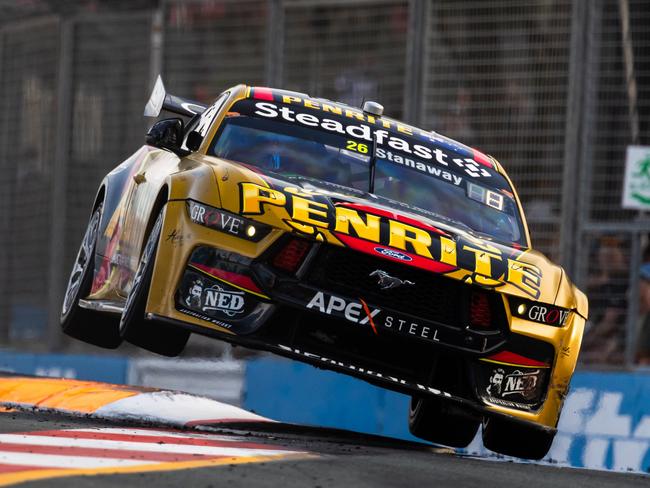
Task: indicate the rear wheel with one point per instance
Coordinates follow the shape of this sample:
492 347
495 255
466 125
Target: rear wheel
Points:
83 324
134 327
430 420
513 439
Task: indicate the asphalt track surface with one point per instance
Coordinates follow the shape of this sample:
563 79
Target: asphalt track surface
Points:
337 458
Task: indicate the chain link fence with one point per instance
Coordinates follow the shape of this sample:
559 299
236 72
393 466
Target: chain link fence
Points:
554 89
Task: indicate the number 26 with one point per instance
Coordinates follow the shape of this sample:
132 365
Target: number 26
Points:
356 146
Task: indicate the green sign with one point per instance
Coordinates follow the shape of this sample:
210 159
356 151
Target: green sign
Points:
636 189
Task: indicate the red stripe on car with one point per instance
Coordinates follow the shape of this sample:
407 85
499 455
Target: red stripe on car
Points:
516 359
481 158
263 94
239 280
413 259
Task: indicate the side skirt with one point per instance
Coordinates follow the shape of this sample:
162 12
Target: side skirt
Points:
102 306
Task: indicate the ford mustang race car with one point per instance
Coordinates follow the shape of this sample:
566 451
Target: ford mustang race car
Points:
341 238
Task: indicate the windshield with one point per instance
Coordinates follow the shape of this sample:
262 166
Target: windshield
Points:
291 151
302 145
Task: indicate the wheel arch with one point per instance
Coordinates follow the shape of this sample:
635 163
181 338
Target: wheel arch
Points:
159 203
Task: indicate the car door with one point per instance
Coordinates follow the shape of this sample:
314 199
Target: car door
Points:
147 183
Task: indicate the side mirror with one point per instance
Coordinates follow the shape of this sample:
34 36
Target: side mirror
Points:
194 140
166 134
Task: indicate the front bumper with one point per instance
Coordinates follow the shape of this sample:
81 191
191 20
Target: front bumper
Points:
281 309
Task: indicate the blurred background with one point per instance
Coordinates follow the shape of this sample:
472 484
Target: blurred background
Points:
554 89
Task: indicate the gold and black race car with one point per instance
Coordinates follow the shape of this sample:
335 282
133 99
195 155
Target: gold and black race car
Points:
338 237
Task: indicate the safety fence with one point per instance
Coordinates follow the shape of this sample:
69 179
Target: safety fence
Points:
555 90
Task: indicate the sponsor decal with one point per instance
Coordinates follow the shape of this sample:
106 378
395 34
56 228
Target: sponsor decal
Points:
363 371
387 282
193 297
359 312
390 141
175 238
351 311
331 109
391 253
547 315
227 222
311 213
411 328
467 164
517 382
215 299
540 313
197 315
214 218
207 117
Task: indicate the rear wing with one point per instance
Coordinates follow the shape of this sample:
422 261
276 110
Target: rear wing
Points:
161 100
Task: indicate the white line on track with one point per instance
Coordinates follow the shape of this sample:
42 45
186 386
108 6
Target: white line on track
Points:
69 462
39 440
157 433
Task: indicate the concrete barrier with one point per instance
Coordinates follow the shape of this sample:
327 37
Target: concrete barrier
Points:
111 369
220 380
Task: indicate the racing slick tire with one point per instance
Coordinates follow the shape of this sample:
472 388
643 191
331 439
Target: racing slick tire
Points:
134 327
429 420
513 439
89 326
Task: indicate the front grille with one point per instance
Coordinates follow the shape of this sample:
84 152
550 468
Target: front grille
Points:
432 297
348 272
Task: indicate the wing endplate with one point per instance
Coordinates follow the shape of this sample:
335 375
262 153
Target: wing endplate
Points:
161 100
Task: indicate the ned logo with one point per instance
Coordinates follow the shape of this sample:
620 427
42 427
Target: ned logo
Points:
216 299
522 383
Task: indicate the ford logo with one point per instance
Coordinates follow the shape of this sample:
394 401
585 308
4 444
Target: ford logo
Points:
393 254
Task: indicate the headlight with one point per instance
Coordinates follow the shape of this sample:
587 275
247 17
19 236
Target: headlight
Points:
541 313
226 222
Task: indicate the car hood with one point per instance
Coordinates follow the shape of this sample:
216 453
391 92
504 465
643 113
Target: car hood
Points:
390 230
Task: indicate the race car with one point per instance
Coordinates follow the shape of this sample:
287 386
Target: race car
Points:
342 238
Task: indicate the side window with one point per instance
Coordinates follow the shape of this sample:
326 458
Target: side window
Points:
198 127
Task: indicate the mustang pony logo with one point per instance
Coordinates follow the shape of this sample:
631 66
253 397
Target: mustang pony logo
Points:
388 282
361 227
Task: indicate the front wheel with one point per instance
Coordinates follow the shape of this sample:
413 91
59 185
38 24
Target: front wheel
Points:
512 439
134 327
83 324
430 420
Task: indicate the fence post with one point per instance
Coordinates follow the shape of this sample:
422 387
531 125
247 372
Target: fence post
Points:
275 45
58 273
415 58
5 199
584 145
573 129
